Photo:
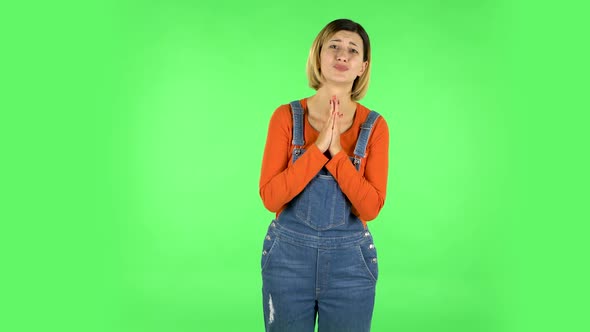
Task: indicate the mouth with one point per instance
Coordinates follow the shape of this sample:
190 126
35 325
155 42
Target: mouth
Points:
340 67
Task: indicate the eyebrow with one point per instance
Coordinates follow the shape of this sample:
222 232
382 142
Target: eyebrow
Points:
339 40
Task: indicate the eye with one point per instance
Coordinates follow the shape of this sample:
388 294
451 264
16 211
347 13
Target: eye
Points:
332 46
354 50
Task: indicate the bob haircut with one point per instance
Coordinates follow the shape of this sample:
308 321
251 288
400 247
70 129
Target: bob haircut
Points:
314 72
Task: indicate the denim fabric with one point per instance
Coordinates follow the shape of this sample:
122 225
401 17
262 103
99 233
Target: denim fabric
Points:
304 275
322 205
318 260
361 145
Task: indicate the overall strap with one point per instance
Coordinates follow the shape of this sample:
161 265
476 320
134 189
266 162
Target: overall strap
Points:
298 137
363 139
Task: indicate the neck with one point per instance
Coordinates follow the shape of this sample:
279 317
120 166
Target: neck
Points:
321 100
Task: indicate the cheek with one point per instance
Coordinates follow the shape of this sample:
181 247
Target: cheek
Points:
357 66
324 59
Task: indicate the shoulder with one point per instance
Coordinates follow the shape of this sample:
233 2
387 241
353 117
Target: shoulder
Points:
380 128
281 119
283 111
363 113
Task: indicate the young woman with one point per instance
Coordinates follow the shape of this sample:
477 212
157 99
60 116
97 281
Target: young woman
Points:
324 173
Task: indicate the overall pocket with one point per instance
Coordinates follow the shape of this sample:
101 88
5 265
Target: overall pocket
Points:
368 255
322 205
267 249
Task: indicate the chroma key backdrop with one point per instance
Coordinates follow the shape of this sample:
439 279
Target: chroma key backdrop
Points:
133 134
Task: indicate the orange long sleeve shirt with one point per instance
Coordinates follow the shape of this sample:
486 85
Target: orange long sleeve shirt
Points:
281 180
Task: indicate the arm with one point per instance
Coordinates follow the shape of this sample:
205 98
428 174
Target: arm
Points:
365 192
280 180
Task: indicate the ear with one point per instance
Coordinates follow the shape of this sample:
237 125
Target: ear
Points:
364 67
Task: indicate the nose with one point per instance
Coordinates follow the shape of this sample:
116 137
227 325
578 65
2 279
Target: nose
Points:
341 55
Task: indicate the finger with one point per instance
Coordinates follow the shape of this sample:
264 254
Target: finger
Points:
332 120
331 105
334 103
333 112
337 116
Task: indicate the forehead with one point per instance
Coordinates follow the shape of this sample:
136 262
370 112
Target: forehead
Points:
347 36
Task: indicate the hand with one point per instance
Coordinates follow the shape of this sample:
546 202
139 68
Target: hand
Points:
335 146
326 133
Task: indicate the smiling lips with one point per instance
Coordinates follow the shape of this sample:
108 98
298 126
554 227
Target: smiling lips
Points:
340 67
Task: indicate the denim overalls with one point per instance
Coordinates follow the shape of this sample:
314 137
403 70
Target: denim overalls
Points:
317 256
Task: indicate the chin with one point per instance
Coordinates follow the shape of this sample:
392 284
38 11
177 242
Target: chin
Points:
339 81
337 78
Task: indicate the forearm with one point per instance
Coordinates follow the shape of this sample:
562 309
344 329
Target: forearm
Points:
366 196
278 186
365 189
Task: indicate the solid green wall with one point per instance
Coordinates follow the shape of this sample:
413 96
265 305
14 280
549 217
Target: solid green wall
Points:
203 82
136 176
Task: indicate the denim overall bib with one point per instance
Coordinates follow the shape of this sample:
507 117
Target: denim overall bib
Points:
317 257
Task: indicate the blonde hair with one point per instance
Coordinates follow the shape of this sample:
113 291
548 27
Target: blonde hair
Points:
314 73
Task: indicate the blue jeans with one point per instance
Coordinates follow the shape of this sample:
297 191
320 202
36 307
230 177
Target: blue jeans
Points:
304 275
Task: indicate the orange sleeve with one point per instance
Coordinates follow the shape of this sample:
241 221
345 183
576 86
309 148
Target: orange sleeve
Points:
281 180
365 191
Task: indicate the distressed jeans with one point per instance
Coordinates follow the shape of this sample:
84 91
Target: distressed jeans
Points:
306 275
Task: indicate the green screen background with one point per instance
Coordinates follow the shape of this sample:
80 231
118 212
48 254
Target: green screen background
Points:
133 135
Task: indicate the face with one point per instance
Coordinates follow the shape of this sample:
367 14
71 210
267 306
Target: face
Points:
341 57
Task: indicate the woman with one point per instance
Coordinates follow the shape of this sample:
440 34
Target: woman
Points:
324 173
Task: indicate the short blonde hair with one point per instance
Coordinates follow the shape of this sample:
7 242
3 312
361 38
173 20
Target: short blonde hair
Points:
314 73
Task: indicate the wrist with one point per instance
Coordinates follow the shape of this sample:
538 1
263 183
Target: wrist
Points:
335 150
320 147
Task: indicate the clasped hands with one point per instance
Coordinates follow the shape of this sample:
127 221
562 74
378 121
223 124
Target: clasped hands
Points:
329 137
